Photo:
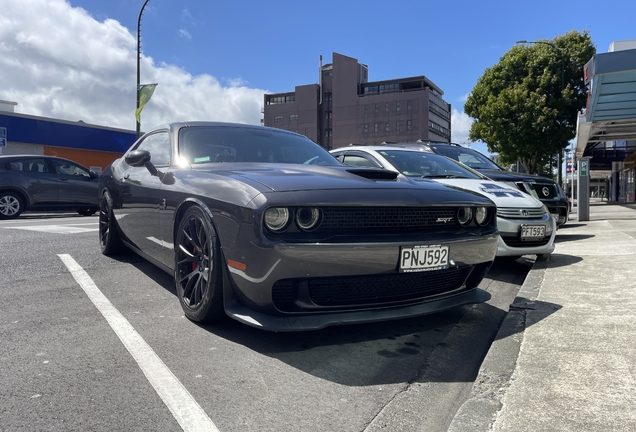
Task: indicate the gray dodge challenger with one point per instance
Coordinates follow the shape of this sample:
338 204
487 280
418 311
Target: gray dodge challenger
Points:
265 226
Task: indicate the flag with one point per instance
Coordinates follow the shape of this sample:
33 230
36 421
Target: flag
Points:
145 93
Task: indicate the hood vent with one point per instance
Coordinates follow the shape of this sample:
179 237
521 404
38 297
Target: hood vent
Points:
374 174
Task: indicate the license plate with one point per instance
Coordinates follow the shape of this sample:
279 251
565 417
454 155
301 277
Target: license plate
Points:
532 231
423 258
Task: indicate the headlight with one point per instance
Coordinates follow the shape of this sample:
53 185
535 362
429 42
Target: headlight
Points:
276 218
464 215
481 215
308 218
545 209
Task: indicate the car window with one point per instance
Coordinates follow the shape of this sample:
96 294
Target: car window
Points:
69 168
356 160
33 165
468 157
223 144
158 145
430 165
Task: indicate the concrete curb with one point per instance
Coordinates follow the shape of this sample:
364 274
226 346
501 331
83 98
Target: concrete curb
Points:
480 411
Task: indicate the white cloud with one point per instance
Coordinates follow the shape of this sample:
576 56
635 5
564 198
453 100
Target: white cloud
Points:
460 126
62 63
184 33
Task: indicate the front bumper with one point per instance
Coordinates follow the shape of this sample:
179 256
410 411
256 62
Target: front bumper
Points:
253 296
510 243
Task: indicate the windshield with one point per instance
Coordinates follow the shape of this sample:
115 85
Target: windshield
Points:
468 157
427 165
205 144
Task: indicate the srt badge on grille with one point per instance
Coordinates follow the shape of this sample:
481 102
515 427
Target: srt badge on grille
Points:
546 191
444 219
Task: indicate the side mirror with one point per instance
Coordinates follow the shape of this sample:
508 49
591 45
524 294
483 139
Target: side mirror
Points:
137 158
93 174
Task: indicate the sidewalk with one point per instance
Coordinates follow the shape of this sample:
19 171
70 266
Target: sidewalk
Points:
565 356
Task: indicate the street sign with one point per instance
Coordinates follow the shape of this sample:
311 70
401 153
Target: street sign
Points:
584 168
3 137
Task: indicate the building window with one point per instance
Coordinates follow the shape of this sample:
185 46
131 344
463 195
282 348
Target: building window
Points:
327 96
375 126
328 115
328 133
281 99
293 117
366 109
366 128
438 128
278 118
397 126
386 107
409 104
408 125
376 108
327 74
386 126
397 106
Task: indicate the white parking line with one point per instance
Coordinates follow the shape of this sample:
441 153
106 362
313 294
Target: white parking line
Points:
179 401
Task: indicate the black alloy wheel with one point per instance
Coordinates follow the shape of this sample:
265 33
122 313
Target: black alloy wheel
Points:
198 275
11 205
109 238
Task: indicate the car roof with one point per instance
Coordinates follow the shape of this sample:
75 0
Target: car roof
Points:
381 147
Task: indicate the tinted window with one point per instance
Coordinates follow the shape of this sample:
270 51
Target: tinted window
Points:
421 164
33 165
158 145
468 157
356 160
230 144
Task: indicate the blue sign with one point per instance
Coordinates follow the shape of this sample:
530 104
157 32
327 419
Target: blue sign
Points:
3 137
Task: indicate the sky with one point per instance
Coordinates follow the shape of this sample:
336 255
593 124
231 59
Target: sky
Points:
213 60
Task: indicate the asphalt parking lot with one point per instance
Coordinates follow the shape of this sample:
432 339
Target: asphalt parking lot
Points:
95 343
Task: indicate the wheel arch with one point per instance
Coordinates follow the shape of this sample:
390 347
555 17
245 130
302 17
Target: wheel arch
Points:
22 194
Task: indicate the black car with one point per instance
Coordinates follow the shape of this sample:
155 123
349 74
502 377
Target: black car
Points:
267 227
45 183
544 189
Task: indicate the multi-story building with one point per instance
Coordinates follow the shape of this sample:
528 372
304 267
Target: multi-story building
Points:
345 108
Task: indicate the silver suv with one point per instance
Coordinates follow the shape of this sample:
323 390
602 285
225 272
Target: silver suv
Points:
45 183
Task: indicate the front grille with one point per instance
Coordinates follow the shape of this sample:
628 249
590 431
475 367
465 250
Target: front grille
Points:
352 218
544 191
361 291
515 241
517 213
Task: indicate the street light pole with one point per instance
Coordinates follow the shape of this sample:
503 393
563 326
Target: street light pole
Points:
560 52
138 59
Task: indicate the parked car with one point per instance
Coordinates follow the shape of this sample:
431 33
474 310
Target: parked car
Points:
45 183
525 224
266 226
544 189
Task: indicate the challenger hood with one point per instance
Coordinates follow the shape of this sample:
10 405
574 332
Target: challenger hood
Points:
501 194
289 178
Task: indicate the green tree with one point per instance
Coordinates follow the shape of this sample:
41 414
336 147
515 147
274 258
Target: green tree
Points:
519 108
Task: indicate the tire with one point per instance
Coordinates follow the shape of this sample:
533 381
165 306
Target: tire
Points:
109 237
11 205
198 275
86 211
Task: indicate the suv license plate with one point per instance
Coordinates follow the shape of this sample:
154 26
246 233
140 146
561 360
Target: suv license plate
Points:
423 258
532 232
